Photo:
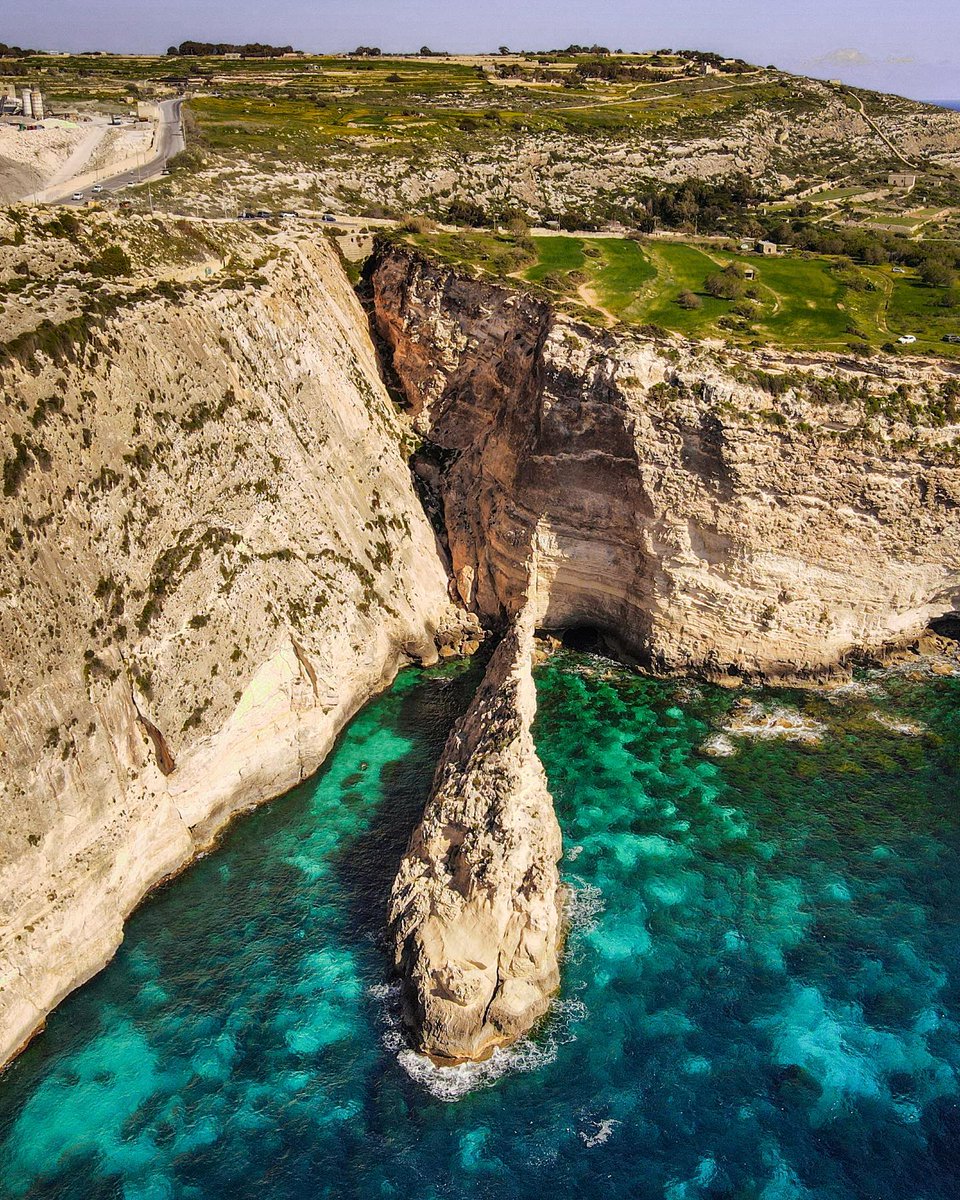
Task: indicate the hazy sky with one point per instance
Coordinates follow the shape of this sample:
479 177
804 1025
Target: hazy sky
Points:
910 47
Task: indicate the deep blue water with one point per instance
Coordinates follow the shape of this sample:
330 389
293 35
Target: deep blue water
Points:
761 992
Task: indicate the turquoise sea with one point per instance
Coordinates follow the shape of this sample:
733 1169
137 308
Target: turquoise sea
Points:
761 994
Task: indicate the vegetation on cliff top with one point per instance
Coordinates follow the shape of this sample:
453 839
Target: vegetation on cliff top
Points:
799 300
578 133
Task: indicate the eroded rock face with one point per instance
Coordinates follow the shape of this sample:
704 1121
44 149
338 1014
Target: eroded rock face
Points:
706 523
476 906
213 555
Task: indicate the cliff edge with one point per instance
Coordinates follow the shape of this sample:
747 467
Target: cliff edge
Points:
213 555
742 515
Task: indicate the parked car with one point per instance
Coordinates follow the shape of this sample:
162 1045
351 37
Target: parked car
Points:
907 340
165 171
288 212
953 338
329 217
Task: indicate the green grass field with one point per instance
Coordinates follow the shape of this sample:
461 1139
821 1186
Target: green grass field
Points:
798 301
555 255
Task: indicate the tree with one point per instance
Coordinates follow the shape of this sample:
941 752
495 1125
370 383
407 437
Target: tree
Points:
503 49
935 273
727 284
466 212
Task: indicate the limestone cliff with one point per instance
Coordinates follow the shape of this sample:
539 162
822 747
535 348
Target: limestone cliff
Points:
740 515
213 555
475 908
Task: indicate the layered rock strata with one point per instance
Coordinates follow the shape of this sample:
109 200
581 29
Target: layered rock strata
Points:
476 906
212 556
715 512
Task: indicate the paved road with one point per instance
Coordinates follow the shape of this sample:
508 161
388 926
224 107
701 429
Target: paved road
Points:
169 142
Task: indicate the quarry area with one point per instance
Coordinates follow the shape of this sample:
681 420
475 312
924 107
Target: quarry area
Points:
42 150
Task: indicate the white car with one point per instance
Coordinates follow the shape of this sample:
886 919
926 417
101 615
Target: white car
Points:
78 195
907 340
97 187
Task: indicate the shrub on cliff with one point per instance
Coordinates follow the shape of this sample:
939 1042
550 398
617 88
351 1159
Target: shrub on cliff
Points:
113 261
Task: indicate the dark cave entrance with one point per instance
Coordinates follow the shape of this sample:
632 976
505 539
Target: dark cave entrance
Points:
947 626
594 639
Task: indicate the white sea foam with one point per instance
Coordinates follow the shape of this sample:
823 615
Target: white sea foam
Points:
925 666
779 722
898 725
856 689
453 1083
384 991
719 746
601 1132
564 1012
584 905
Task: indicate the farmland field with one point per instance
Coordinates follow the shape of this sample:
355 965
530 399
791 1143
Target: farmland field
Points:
797 301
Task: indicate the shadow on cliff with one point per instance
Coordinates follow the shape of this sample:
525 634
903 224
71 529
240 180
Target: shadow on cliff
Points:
367 867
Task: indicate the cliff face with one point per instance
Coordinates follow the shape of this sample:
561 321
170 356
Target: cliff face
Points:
213 555
475 908
682 508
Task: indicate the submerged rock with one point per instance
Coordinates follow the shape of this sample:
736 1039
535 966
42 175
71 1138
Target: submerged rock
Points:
757 721
476 905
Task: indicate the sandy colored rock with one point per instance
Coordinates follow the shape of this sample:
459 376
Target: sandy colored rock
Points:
213 556
476 906
675 515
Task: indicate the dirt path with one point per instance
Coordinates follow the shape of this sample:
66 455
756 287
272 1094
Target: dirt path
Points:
881 135
631 97
590 298
82 154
